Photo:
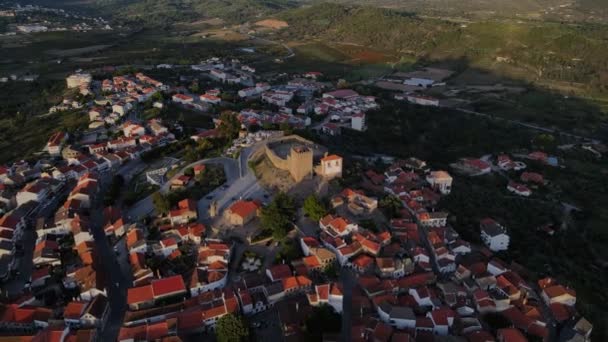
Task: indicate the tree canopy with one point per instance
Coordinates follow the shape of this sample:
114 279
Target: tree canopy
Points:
314 208
230 125
161 203
278 215
231 328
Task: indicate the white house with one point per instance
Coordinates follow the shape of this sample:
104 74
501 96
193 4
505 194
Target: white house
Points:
357 122
36 191
331 166
121 108
183 99
559 294
401 317
494 235
440 180
208 98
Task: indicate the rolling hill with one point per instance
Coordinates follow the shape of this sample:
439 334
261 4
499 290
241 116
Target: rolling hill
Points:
566 10
537 50
166 12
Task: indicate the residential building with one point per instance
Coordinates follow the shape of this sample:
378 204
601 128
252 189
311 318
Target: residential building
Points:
494 235
440 180
330 167
241 212
186 211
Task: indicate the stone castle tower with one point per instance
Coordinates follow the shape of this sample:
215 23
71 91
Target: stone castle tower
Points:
300 162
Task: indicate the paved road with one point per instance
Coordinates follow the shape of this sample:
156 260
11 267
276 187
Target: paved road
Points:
117 278
347 278
270 329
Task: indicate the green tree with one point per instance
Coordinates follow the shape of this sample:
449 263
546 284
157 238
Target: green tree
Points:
286 128
161 203
278 215
230 125
314 208
231 328
194 87
391 205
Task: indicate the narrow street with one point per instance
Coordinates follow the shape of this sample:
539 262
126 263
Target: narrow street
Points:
347 278
116 280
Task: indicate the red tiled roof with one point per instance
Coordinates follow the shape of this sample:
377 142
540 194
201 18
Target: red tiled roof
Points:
323 291
331 157
74 310
560 312
558 290
133 236
140 294
217 311
189 320
311 261
280 271
244 208
363 261
156 331
168 286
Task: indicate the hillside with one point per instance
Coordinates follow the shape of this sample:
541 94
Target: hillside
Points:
535 50
571 10
166 12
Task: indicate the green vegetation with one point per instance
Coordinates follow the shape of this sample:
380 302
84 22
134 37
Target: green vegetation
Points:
391 205
314 208
278 216
205 182
162 205
230 125
138 189
575 256
290 250
537 50
479 9
231 328
165 13
22 132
